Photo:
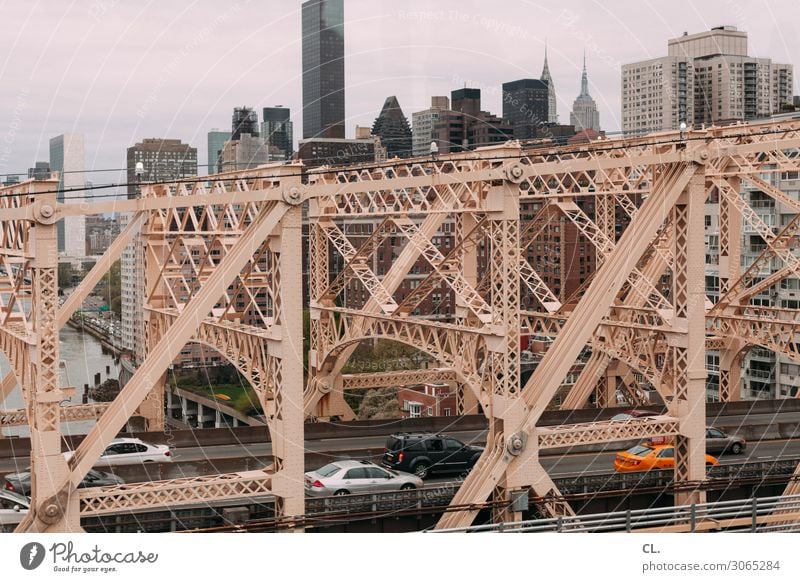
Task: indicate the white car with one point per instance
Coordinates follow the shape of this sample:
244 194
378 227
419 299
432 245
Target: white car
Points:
129 451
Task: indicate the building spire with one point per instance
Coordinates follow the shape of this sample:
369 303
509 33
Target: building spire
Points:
545 69
552 115
584 77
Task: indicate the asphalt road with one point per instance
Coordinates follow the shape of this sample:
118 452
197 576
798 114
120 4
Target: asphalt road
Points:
566 464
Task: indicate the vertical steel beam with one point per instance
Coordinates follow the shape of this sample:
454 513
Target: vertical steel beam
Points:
688 345
502 375
52 507
286 422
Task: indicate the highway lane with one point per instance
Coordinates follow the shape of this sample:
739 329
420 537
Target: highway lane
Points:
357 448
371 447
567 464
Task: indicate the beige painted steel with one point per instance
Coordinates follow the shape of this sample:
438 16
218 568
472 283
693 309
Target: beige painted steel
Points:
235 239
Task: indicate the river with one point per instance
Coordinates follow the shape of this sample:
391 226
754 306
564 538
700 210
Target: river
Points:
82 358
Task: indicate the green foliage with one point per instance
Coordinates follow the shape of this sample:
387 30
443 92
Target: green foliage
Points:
378 403
64 275
109 288
218 380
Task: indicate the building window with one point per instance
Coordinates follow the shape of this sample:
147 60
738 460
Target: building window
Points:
447 412
414 409
430 411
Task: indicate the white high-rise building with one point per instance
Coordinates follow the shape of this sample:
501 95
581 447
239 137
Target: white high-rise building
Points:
705 78
422 123
67 157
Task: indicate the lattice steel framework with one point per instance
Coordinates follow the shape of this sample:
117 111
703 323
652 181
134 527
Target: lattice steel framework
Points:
222 267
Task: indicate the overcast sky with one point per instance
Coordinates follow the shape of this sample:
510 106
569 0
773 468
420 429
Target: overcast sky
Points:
121 71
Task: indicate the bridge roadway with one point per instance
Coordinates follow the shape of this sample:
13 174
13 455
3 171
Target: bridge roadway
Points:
190 461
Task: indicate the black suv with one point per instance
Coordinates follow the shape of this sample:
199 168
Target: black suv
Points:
424 454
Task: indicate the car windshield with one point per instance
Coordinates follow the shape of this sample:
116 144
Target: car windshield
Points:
328 470
639 450
621 416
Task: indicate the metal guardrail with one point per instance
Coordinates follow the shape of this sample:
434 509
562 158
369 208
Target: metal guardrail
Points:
433 499
690 518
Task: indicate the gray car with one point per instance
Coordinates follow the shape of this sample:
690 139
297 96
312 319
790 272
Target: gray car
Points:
356 477
718 442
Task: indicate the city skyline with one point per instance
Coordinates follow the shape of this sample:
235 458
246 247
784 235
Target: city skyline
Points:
180 87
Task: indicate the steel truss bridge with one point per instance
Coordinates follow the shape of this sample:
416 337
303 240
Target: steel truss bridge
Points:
222 266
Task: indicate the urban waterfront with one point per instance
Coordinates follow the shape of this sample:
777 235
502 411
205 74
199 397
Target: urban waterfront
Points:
82 357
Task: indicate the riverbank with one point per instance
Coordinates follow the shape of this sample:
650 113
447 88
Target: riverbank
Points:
99 334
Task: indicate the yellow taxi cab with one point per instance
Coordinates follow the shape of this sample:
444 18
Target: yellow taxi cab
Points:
655 454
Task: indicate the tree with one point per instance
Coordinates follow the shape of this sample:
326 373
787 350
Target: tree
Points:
64 275
379 403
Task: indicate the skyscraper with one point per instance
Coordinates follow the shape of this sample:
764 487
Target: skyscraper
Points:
391 126
323 69
526 106
67 157
552 109
277 130
163 160
705 78
244 120
584 110
216 141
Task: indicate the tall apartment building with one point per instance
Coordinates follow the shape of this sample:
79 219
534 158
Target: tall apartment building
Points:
526 105
216 141
765 374
584 114
323 69
163 160
422 123
705 78
67 157
277 129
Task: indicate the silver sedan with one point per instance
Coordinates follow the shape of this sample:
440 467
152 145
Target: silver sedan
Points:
346 477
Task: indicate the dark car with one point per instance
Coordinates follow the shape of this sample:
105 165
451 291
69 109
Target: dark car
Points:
424 454
719 442
21 482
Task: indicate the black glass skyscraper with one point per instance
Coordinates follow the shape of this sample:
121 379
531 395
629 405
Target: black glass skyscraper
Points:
276 129
323 69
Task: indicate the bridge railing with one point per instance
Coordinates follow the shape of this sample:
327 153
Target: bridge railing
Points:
742 515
